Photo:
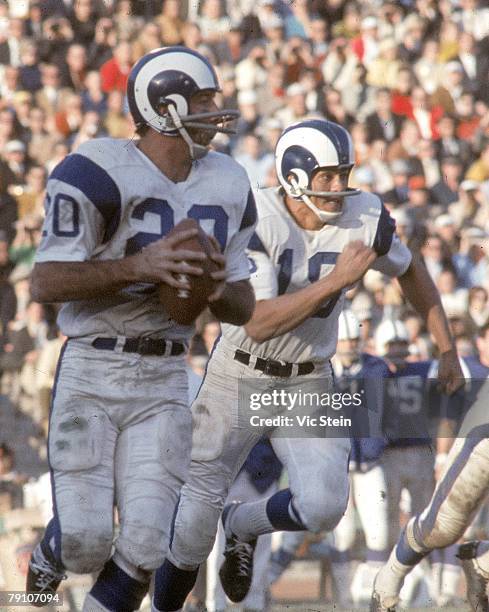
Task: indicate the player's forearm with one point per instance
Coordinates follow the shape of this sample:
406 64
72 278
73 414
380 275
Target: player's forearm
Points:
236 304
282 314
420 291
57 281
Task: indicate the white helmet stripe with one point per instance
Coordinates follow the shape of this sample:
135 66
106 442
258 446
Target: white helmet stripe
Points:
314 141
186 62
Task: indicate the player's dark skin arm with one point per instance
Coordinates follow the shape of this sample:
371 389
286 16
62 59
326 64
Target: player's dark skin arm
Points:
161 261
279 315
235 304
420 291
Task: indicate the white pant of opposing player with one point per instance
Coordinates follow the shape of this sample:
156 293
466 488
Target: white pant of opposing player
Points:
457 497
462 487
317 467
410 468
242 489
368 496
120 429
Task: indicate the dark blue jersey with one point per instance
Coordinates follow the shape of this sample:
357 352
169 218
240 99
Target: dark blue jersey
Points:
366 377
408 405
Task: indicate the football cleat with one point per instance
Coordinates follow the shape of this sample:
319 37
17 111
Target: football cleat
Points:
44 574
236 572
377 605
476 582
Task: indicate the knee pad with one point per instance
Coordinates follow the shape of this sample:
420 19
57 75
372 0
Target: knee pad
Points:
83 552
321 511
194 533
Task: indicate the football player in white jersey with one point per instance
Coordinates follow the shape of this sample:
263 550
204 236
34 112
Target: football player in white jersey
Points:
120 426
314 239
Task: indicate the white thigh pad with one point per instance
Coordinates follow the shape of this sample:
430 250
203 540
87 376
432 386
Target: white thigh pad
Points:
211 422
76 439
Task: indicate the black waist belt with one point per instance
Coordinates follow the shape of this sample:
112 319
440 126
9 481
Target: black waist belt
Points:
143 346
274 368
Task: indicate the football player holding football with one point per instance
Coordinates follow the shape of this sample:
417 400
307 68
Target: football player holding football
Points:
120 426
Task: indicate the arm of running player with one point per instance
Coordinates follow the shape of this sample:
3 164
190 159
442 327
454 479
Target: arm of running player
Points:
230 302
420 291
63 281
276 316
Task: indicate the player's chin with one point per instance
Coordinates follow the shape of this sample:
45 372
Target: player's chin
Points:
202 137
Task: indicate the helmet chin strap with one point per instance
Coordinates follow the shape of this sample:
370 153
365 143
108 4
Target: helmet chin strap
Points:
196 151
323 215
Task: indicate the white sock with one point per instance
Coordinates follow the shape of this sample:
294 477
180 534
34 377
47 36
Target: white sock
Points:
390 579
250 520
450 578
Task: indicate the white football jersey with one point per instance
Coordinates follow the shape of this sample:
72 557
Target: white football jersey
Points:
108 200
285 258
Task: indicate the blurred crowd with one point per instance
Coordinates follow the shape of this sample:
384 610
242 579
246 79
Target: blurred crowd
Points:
409 79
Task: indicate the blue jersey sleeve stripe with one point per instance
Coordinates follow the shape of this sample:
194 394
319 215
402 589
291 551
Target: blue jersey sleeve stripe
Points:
250 214
255 244
97 185
385 232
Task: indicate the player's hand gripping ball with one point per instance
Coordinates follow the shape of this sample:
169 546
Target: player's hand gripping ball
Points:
182 305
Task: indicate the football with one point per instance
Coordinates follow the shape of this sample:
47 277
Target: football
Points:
185 306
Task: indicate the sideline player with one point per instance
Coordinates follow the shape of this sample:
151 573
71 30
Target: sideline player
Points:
120 427
314 239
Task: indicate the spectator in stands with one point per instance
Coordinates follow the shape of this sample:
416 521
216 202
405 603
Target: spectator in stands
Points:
93 98
255 160
115 71
444 227
383 124
453 299
471 261
383 71
41 143
10 480
148 39
8 300
83 19
213 23
479 170
450 88
116 122
57 37
51 96
170 23
445 192
436 256
10 48
75 69
29 71
31 197
400 170
101 47
448 143
478 306
428 69
366 45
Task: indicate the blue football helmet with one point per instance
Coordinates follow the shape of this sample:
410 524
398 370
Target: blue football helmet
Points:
169 77
307 146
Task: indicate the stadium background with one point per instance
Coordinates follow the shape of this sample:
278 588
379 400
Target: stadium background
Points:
409 79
